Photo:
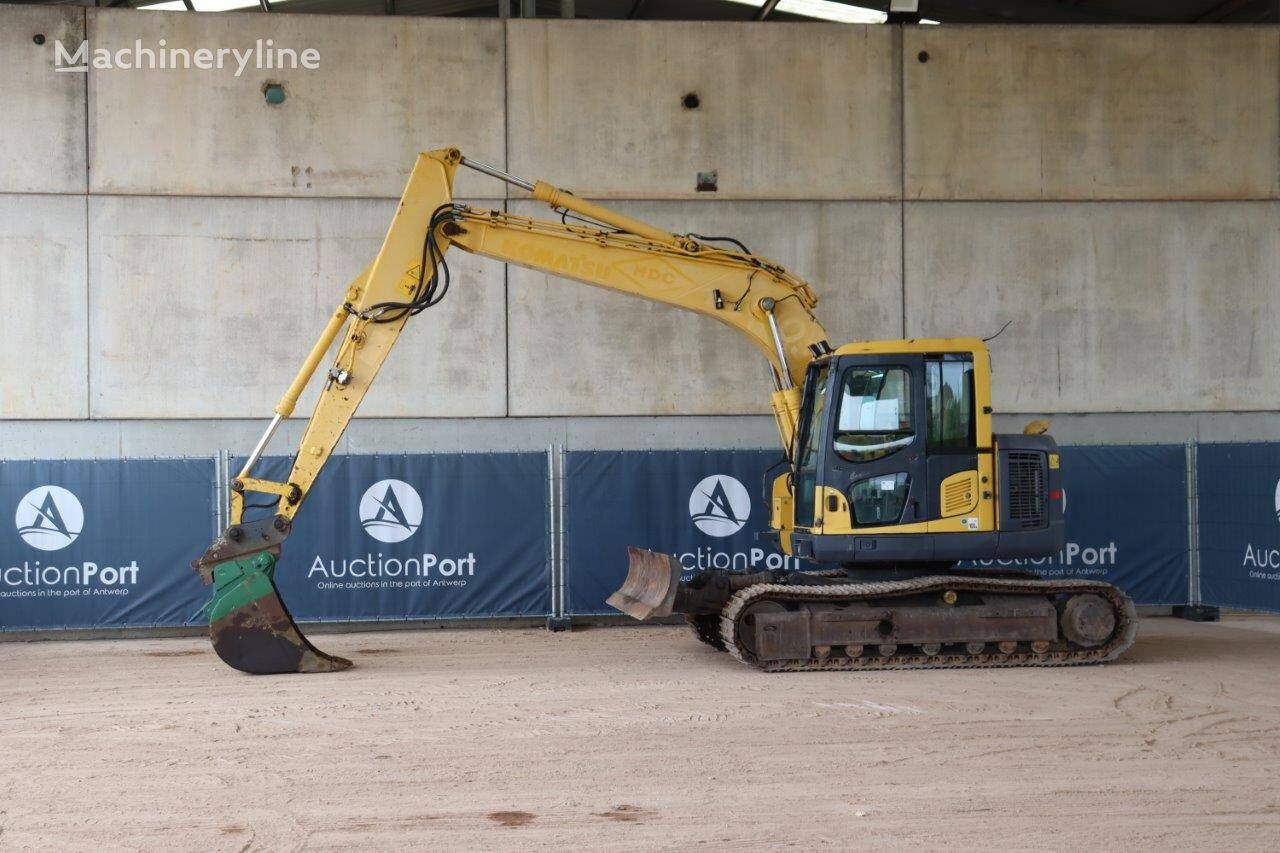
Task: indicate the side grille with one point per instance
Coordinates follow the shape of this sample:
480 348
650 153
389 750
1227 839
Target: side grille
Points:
1026 489
959 493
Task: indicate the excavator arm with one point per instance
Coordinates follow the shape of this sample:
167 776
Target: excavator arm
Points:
250 626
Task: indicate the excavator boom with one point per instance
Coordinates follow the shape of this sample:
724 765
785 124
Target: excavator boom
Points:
250 626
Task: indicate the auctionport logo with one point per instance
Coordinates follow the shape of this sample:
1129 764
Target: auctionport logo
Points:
1263 561
49 518
391 510
719 505
264 55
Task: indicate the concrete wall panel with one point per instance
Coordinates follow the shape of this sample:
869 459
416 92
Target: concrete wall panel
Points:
42 132
205 308
578 350
786 111
84 439
43 352
1116 307
1091 112
386 88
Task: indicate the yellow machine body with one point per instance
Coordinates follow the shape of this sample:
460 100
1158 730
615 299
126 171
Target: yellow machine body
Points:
815 516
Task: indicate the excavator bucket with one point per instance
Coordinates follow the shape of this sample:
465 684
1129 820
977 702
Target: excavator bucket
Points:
249 625
650 588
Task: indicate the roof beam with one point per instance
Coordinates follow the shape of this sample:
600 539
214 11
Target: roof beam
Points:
766 9
1020 11
1221 10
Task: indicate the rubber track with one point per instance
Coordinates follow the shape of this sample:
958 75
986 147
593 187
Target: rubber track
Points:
706 626
1121 638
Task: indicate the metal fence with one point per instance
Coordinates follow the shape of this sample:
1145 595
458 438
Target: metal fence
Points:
108 543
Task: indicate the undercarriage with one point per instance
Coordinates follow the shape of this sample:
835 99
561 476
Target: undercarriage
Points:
898 618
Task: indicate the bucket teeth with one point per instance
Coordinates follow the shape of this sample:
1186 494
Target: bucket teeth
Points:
650 588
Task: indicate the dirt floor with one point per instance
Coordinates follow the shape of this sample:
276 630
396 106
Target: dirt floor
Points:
636 738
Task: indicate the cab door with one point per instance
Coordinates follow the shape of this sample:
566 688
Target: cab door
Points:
952 447
876 440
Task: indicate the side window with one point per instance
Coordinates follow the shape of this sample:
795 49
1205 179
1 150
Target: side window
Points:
875 413
811 427
949 391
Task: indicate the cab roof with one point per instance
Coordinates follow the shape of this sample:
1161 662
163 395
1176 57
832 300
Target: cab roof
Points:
913 345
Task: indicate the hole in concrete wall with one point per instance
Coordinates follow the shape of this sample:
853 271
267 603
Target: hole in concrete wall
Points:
38 38
707 181
273 93
691 101
923 56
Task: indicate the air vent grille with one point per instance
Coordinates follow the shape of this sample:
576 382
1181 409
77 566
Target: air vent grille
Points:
1026 489
959 493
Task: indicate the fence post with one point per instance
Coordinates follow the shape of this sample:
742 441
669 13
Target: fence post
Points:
221 498
557 621
1194 610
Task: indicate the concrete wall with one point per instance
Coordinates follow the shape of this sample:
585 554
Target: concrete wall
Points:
170 243
1115 306
204 308
640 358
43 131
785 112
1091 112
385 89
44 362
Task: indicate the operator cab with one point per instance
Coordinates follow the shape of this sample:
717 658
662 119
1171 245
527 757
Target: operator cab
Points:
896 462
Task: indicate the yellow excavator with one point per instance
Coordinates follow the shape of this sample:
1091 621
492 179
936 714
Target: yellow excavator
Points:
894 478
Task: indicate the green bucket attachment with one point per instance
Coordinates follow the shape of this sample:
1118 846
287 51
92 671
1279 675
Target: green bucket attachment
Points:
251 628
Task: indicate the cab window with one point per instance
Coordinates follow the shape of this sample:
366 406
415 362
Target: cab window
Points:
879 500
811 422
874 418
949 392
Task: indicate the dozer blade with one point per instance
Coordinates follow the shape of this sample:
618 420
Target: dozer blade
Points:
650 587
249 625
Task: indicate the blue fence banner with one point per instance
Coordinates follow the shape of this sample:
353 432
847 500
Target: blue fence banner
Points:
418 537
1126 517
103 543
1239 491
1126 510
703 506
108 543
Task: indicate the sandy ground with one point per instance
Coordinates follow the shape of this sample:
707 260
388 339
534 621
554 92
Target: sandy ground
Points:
636 738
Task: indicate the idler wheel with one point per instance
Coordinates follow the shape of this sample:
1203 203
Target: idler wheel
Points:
1087 620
